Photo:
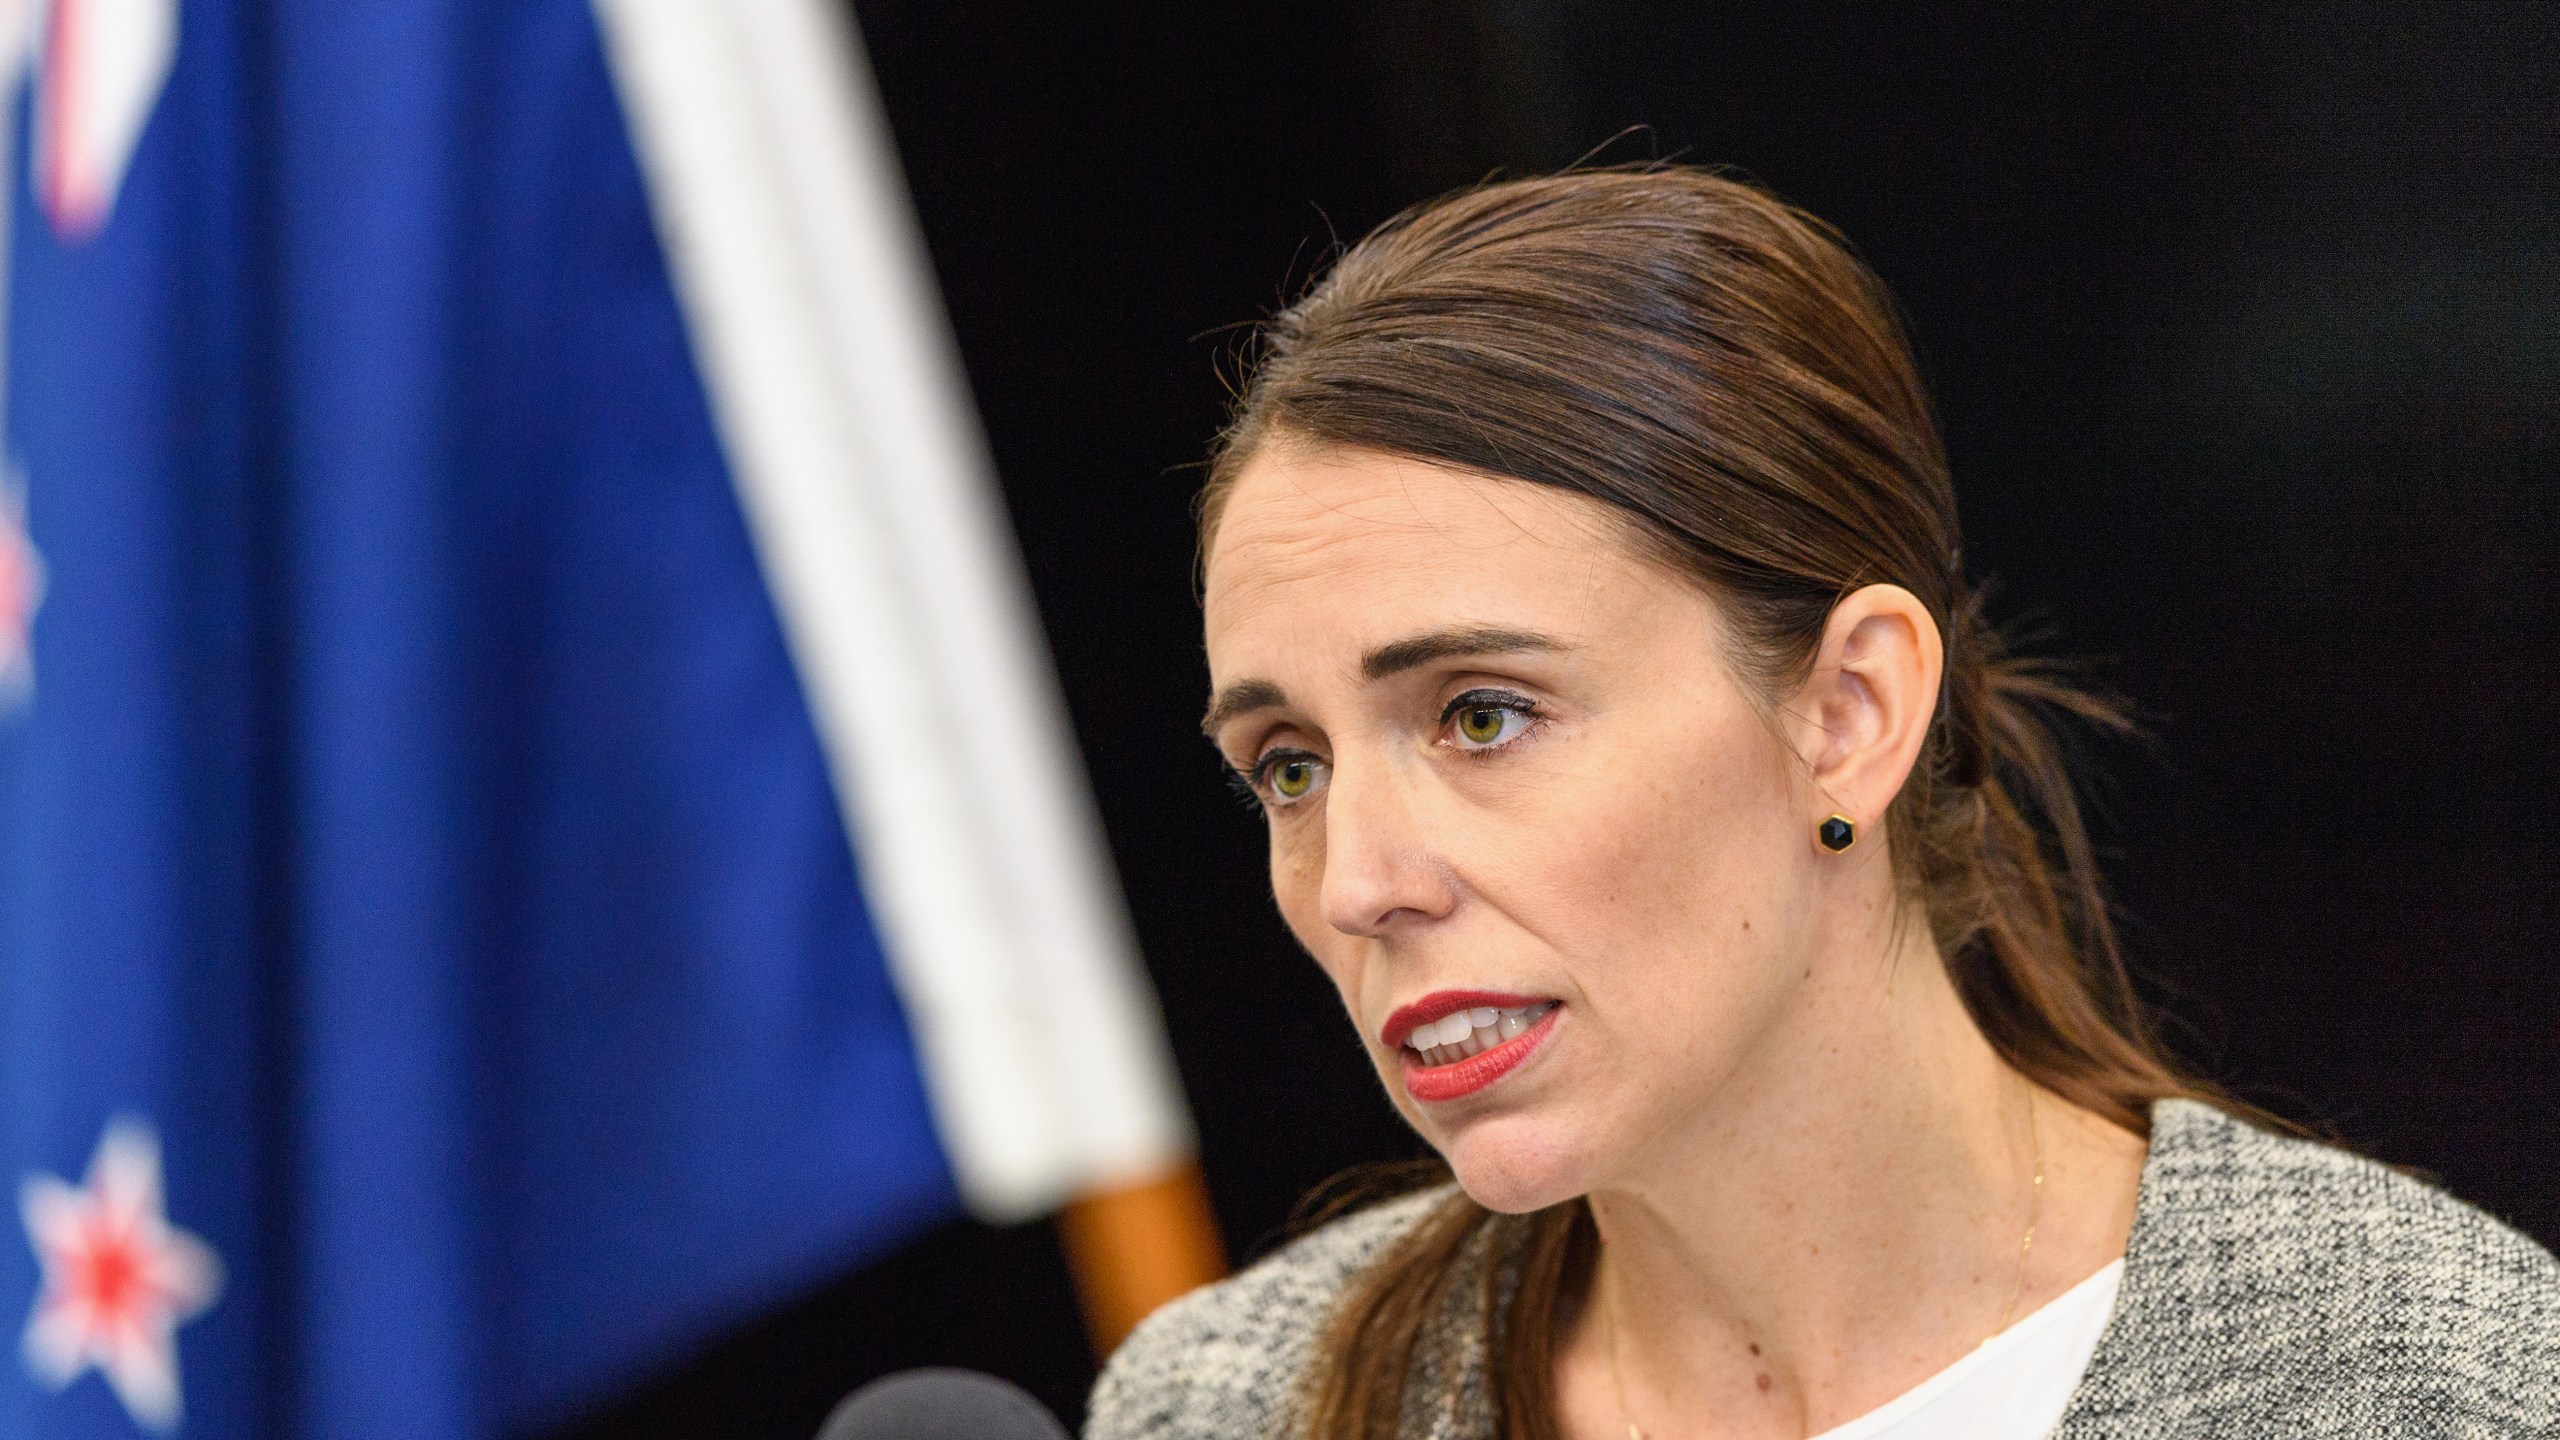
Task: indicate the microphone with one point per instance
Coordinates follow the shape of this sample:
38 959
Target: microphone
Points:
940 1404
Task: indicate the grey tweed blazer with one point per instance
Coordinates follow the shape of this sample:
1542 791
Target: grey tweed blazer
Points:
2272 1287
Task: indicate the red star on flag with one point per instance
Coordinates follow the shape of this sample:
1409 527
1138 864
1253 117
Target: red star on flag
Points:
118 1278
21 589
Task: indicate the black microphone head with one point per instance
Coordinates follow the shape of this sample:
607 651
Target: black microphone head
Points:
940 1404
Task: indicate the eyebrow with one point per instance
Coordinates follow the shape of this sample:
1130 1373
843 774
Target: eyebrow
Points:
1419 650
1392 658
1243 697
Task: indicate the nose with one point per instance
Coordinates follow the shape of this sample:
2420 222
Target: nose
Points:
1381 871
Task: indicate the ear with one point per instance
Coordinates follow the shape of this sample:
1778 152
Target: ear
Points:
1864 711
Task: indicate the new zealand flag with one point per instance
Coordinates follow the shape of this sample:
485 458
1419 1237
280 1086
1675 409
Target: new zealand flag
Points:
533 819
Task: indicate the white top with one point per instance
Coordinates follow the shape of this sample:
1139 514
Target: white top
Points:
2014 1386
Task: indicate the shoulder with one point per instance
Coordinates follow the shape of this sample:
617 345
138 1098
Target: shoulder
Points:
2341 1228
1226 1360
2283 1280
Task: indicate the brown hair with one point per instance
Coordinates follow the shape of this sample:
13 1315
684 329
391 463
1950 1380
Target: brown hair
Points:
1719 368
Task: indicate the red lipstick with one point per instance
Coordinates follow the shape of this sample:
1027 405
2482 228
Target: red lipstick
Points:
1440 1004
1432 1084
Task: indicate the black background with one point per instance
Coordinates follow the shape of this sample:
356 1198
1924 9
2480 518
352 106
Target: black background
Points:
2245 333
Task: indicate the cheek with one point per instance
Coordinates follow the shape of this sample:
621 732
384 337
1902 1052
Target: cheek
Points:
1297 878
1667 881
1297 886
1661 846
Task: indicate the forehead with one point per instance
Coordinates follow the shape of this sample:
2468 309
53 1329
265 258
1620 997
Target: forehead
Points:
1330 544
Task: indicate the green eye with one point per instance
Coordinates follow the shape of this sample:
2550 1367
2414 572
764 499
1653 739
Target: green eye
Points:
1485 719
1293 778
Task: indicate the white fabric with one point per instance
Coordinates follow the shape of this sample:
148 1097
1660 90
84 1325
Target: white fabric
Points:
2015 1386
872 503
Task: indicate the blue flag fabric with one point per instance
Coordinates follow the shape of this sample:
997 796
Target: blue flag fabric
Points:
421 890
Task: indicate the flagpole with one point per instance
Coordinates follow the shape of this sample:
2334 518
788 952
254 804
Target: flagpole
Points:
867 489
1133 1247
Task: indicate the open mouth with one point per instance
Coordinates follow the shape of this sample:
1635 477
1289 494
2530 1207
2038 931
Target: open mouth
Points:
1465 1034
1456 1043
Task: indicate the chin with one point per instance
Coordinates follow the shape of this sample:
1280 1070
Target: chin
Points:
1513 1164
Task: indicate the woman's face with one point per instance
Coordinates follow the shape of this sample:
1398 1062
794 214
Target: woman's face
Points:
1509 777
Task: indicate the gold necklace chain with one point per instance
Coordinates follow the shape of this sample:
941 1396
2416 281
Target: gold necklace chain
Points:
2026 1243
2035 1208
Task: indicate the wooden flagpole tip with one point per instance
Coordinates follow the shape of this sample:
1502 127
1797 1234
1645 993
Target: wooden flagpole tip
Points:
1136 1246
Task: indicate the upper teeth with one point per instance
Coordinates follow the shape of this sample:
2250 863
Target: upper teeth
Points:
1461 1033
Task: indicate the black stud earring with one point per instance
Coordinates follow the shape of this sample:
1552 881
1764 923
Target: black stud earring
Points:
1837 833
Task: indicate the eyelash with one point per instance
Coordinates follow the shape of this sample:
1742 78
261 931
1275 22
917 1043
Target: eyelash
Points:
1243 784
1248 784
1252 781
1519 705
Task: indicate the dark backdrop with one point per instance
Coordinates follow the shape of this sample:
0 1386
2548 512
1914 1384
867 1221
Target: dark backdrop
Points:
2245 331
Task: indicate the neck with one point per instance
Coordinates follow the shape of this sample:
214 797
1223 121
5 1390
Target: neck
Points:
1846 1219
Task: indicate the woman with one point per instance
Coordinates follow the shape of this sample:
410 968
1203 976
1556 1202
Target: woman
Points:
1584 607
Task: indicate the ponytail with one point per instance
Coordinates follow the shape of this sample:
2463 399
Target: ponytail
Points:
1990 834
